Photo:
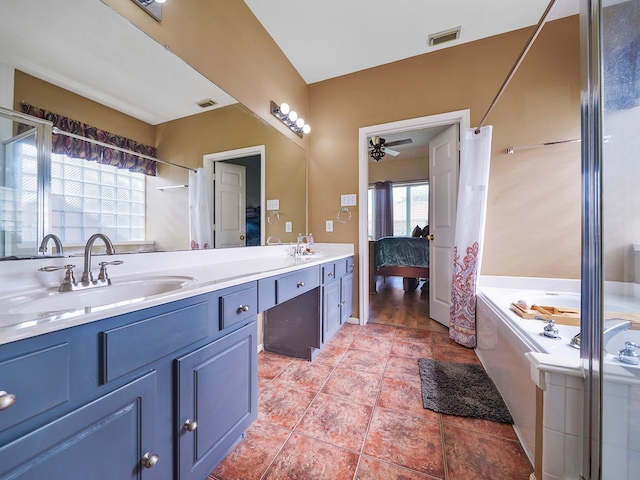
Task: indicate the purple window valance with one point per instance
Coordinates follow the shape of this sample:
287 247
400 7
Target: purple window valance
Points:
75 148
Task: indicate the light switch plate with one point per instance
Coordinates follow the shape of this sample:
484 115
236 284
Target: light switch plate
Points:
287 227
329 226
348 200
273 204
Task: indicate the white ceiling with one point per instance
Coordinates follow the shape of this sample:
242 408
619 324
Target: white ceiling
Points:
328 38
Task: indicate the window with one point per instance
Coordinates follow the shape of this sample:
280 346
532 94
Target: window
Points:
89 197
410 207
85 198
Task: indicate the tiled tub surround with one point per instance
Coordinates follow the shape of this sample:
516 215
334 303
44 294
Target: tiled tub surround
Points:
519 360
211 269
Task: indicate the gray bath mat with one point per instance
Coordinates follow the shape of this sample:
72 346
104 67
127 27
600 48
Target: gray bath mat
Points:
462 389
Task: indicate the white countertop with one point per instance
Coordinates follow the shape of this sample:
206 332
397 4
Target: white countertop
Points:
211 269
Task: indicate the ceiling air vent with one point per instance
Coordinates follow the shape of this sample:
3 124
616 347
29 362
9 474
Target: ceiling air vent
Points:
444 36
206 103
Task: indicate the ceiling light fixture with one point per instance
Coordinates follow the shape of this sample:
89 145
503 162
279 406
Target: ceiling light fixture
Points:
290 118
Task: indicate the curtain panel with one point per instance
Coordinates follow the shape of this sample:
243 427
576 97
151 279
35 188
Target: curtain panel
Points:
75 148
383 210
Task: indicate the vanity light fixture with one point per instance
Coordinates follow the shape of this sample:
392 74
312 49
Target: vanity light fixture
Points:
290 118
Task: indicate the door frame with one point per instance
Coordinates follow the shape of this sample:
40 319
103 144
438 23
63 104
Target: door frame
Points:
461 117
208 163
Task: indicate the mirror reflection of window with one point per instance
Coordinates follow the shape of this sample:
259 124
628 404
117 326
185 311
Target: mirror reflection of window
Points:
88 197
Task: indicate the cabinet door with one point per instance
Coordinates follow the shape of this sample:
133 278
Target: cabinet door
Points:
347 297
103 440
330 311
218 389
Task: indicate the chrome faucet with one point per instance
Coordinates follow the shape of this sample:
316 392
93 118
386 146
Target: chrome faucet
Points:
56 241
87 277
69 283
612 327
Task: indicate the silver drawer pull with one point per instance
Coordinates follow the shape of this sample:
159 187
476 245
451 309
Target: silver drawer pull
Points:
190 425
6 399
243 308
300 284
330 274
149 460
351 267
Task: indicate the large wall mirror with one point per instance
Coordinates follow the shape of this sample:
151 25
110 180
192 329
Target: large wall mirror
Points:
82 60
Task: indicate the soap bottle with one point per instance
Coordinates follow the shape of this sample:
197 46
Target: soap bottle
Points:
310 242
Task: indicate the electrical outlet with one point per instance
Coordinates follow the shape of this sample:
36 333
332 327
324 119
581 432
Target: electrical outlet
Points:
273 204
348 200
287 227
328 226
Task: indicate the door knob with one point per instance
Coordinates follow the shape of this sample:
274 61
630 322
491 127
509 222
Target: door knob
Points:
430 237
241 237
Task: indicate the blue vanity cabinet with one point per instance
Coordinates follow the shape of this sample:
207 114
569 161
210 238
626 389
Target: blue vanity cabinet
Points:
337 296
105 439
100 400
217 400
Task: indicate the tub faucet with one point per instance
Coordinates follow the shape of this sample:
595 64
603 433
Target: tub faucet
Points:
87 277
56 241
612 327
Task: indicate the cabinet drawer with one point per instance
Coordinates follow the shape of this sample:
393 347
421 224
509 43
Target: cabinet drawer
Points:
132 346
237 307
328 272
296 283
39 380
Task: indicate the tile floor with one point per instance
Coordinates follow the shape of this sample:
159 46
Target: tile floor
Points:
356 412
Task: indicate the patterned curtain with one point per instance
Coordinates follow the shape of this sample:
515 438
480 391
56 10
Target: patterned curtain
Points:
475 159
383 209
75 148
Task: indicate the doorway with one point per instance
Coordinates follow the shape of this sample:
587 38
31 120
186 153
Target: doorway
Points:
460 118
249 217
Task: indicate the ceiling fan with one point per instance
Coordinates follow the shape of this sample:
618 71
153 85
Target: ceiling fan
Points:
378 147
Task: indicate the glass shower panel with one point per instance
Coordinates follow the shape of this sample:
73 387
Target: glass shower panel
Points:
620 371
19 213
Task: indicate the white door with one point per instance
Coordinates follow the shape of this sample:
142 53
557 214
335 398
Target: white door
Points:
229 202
443 184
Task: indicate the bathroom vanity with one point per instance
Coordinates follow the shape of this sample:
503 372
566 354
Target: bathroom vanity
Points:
161 387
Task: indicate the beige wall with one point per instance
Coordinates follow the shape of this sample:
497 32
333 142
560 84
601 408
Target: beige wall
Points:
533 217
399 170
44 95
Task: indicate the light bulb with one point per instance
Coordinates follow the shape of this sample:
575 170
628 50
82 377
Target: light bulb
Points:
293 116
284 108
306 128
160 1
300 122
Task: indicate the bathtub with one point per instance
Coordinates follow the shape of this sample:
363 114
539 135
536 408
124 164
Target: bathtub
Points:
512 348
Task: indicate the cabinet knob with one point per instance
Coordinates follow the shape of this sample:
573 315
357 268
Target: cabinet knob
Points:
6 399
149 460
330 274
300 284
190 425
243 308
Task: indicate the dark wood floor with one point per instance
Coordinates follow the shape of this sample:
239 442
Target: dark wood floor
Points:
393 306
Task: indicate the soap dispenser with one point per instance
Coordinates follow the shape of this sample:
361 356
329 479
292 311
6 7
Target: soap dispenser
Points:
310 242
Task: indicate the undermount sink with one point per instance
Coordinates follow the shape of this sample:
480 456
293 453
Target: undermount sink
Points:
118 293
